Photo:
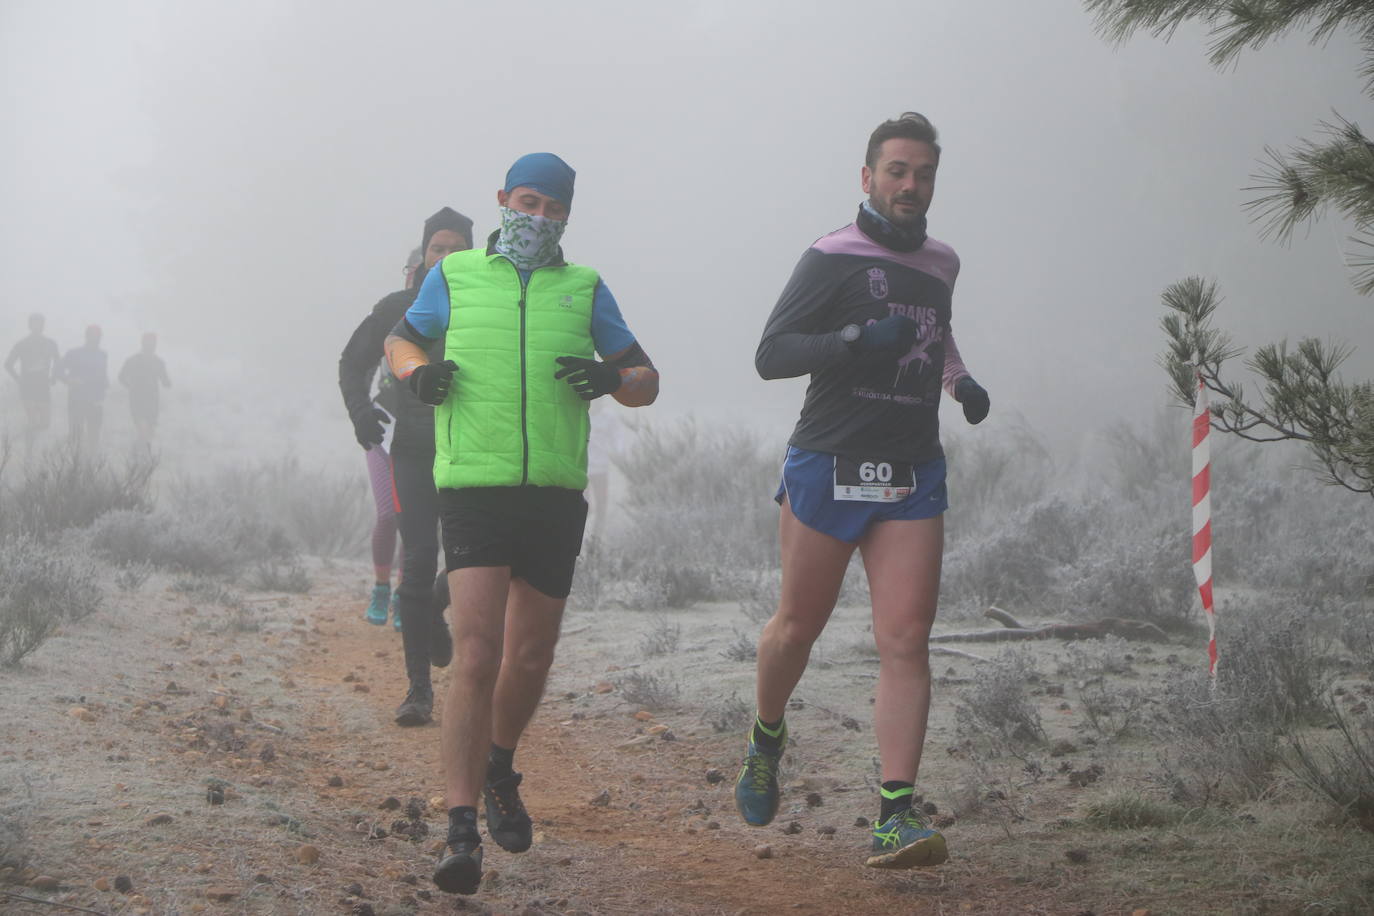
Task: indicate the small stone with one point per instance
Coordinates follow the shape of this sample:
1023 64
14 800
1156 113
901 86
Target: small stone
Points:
813 800
355 890
943 821
565 861
220 702
713 825
826 830
714 776
603 687
44 883
763 851
158 820
268 753
101 884
363 909
236 659
221 894
861 822
82 713
204 868
123 884
380 765
929 808
390 803
214 795
1063 747
658 729
423 894
792 828
644 715
667 736
601 799
361 688
1076 856
335 782
1142 911
307 854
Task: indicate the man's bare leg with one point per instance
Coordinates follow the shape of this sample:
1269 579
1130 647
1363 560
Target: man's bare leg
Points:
479 596
902 560
532 624
813 567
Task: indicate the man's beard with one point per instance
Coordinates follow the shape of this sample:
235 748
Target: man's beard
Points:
888 212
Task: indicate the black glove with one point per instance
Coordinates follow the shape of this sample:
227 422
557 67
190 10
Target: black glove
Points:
974 398
893 334
430 382
367 425
589 378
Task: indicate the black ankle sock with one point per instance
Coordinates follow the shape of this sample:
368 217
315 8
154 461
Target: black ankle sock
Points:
500 763
462 825
896 795
767 735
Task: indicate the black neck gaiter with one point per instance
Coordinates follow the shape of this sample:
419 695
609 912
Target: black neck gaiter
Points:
881 230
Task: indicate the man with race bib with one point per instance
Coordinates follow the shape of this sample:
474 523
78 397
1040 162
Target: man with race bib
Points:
867 315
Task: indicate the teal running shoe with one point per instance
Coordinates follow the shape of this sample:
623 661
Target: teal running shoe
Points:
376 610
756 790
906 840
396 612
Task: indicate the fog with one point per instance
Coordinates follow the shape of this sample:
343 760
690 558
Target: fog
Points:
247 180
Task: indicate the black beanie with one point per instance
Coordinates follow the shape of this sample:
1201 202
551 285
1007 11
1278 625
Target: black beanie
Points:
447 218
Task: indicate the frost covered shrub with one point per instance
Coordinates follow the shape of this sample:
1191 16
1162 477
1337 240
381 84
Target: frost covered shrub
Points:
702 520
1218 748
999 705
325 513
1146 577
40 586
66 490
993 476
1276 653
1339 767
200 544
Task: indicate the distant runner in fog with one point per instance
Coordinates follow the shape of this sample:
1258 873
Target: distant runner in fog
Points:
403 482
144 374
519 326
867 315
85 370
33 364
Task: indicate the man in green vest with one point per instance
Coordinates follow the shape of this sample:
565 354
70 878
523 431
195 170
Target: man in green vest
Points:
521 327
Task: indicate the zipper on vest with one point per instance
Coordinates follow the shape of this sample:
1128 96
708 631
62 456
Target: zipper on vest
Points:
524 390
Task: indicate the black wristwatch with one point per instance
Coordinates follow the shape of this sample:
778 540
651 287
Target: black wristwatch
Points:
850 334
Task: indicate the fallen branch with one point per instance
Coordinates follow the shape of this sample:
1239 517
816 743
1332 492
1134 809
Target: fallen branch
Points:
1014 630
959 653
65 906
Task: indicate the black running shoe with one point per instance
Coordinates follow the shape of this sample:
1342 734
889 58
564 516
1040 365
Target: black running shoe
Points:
508 823
418 707
460 867
440 642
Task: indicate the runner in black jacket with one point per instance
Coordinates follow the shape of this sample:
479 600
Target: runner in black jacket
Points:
423 633
867 316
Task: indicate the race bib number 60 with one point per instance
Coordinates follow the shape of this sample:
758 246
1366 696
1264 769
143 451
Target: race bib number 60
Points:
873 480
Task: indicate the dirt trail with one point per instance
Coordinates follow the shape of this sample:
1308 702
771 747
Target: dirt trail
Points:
667 841
239 760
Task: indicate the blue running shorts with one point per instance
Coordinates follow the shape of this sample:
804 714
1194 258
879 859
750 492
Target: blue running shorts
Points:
816 485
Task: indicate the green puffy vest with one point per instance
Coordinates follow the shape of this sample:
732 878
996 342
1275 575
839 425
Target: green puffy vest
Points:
507 421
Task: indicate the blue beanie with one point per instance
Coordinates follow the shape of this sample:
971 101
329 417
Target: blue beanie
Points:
544 172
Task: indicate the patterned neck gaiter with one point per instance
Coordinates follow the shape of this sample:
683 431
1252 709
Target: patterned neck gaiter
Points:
529 241
882 230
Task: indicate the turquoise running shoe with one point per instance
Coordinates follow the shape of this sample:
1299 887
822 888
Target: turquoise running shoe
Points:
756 789
376 610
396 612
906 840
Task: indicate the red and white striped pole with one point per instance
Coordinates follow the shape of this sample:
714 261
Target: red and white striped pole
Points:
1202 518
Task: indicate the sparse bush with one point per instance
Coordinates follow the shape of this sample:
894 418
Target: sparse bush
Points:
208 591
1110 711
999 706
273 576
40 586
67 490
649 691
700 514
1276 655
321 512
202 544
662 639
743 649
1131 811
758 599
731 714
992 476
1220 746
1339 767
130 577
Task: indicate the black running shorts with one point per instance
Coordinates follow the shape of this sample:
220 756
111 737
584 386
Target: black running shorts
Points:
536 531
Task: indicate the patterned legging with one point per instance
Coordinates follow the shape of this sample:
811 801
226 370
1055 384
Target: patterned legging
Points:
384 495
